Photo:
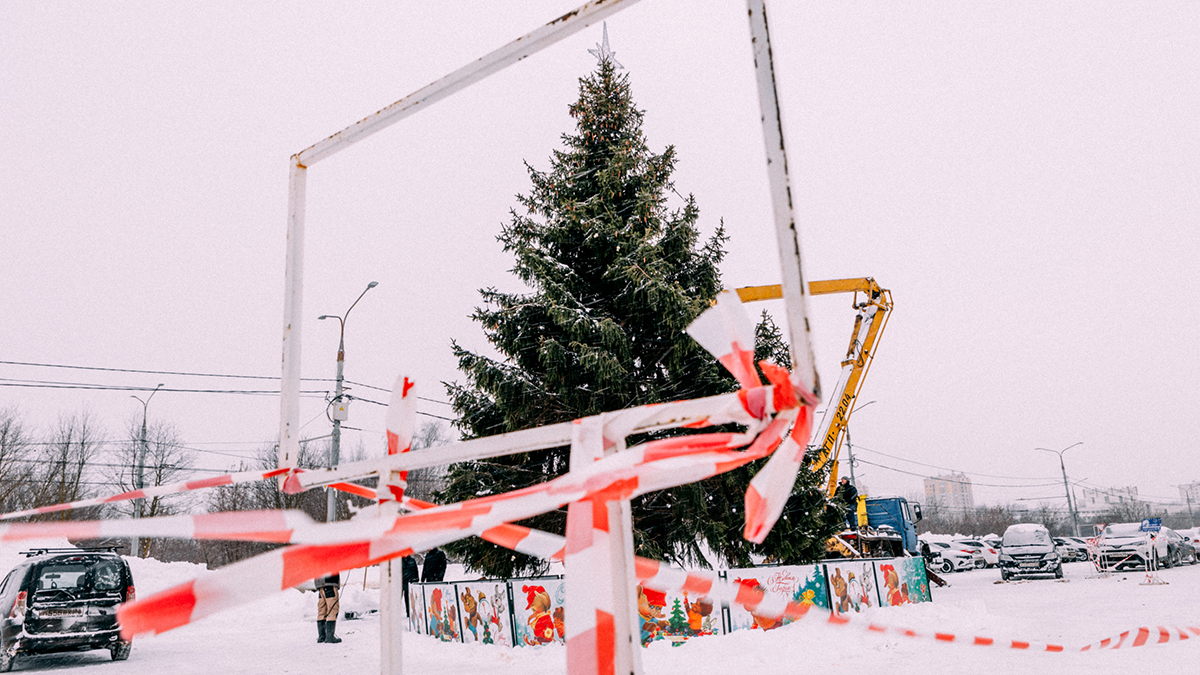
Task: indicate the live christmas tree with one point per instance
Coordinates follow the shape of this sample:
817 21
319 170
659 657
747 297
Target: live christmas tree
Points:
616 273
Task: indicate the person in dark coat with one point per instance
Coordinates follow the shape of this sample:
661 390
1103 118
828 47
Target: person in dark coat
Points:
328 606
435 565
408 575
847 495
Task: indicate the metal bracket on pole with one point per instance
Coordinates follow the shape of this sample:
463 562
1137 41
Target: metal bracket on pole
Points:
795 291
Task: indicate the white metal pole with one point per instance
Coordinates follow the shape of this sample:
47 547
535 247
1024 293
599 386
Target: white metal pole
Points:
391 624
524 46
795 290
293 302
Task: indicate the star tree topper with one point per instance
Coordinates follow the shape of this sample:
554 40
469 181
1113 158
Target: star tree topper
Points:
602 51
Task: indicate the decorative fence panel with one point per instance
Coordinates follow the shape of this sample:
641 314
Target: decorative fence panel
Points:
532 612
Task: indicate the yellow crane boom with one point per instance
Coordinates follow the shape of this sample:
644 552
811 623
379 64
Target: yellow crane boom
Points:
872 313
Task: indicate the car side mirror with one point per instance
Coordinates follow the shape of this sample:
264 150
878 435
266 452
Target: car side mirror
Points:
916 508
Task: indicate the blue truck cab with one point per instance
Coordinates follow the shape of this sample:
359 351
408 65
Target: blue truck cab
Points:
897 514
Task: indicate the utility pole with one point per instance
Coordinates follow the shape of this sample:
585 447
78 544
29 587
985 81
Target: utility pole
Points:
338 416
139 467
1187 495
1066 485
849 446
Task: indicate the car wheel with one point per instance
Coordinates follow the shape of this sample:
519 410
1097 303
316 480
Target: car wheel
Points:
6 661
1058 572
120 651
947 566
1003 575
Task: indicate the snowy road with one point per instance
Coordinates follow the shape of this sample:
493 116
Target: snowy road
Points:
278 636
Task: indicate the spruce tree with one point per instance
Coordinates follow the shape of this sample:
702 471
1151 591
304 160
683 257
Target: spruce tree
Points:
616 274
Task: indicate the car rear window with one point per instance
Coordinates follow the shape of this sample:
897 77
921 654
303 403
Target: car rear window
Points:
80 577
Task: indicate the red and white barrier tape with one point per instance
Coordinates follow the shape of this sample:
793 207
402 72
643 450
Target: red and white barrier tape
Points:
159 491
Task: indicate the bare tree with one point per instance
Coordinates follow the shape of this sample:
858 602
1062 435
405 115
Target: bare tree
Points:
263 495
165 460
424 483
1127 512
16 465
66 465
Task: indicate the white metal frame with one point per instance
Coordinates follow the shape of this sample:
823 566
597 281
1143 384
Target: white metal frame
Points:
795 290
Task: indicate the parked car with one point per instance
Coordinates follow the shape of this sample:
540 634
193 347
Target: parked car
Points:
989 553
1180 551
1028 550
64 600
1070 550
950 559
1195 546
1125 546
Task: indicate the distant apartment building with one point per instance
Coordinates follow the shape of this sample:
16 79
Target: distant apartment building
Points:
952 491
1099 499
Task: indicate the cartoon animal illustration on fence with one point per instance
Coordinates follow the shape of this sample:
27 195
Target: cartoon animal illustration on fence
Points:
541 623
650 611
892 581
471 618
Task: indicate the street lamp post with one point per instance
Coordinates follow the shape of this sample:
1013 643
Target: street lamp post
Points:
1066 487
849 446
139 464
336 442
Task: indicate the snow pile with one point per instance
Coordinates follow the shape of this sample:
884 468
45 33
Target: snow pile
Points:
278 635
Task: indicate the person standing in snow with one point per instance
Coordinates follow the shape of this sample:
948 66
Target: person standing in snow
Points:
328 606
847 495
435 565
408 575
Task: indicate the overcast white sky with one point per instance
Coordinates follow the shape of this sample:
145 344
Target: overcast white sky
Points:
1022 176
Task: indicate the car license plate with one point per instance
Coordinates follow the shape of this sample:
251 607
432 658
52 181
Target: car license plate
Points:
55 613
1029 564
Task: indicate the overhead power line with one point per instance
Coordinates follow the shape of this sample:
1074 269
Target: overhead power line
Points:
186 374
43 384
911 473
942 468
155 372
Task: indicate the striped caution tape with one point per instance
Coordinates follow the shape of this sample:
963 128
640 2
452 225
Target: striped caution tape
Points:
1143 636
768 412
365 541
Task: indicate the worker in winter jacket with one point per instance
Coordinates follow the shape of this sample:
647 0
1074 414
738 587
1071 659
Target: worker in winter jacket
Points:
847 496
435 565
328 606
408 575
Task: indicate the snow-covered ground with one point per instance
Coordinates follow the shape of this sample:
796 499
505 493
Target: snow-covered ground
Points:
279 636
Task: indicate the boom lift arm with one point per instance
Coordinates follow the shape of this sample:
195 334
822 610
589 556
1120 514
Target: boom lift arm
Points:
872 314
